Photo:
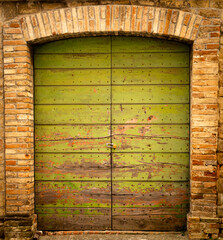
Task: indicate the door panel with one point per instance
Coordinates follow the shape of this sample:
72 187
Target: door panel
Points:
76 219
147 76
72 94
72 127
72 114
145 60
87 138
150 116
150 94
73 77
90 93
69 166
73 194
77 45
72 60
145 45
139 194
150 167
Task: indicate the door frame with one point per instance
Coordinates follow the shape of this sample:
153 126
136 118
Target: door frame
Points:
108 20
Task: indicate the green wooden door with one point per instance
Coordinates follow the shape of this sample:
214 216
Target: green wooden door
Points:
129 91
150 126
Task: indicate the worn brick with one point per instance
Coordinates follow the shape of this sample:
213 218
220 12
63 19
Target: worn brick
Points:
204 88
27 8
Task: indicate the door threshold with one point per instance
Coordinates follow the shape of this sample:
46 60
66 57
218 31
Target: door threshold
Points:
108 232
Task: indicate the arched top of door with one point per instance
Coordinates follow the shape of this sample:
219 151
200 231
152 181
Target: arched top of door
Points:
108 20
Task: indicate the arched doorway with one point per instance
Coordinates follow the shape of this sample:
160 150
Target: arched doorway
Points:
112 134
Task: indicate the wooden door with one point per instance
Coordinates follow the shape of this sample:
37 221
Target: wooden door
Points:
72 127
132 92
150 127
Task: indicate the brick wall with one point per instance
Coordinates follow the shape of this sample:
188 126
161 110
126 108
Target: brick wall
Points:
26 23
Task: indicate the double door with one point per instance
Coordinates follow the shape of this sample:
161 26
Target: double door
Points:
111 134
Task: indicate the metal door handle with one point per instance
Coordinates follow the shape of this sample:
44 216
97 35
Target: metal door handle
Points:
111 145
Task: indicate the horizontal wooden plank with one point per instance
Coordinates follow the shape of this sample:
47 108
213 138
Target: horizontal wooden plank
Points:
150 223
150 144
74 211
148 94
72 133
72 77
87 138
82 60
143 44
155 167
151 76
150 194
72 194
76 45
145 60
79 132
80 145
90 167
143 159
72 114
150 114
73 222
156 138
147 212
134 130
72 95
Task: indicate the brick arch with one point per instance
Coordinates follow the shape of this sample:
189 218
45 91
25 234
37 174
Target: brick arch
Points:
23 32
110 19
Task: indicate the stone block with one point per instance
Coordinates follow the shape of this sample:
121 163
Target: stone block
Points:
198 4
220 199
9 10
49 5
220 211
220 185
209 13
193 219
210 220
221 171
220 143
216 4
28 8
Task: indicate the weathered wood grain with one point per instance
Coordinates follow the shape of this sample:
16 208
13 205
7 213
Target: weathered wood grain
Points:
145 60
150 167
147 212
150 94
72 132
142 45
150 144
150 194
161 130
74 211
150 113
151 76
72 95
86 167
73 222
66 77
54 138
72 114
63 146
76 45
69 60
150 223
142 138
73 194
